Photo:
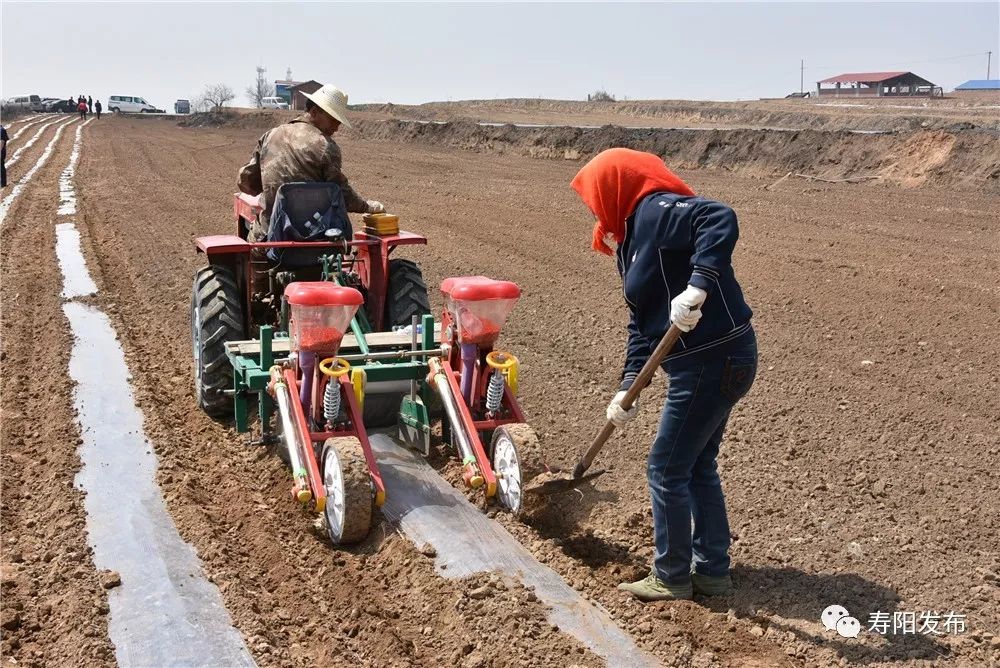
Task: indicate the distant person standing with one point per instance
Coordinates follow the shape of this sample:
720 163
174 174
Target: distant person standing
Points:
82 108
3 156
90 104
97 108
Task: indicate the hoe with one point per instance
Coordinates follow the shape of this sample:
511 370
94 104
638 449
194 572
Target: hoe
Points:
329 337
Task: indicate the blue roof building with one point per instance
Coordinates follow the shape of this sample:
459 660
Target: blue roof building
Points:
980 84
283 89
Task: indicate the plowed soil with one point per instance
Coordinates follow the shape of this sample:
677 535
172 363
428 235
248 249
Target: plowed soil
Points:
53 604
860 470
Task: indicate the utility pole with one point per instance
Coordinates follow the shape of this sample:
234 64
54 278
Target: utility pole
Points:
802 76
989 58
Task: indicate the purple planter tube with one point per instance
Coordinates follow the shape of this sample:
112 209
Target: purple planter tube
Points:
470 353
307 361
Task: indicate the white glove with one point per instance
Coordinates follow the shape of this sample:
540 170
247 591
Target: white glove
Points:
619 415
685 309
375 206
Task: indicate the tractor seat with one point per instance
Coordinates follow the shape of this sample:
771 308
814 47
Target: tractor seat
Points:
304 212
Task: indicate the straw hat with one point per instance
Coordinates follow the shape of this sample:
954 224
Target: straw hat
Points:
332 100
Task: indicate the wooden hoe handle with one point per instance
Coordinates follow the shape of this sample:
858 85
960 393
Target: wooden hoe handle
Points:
666 344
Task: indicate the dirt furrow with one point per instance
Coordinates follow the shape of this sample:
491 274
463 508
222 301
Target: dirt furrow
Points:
54 604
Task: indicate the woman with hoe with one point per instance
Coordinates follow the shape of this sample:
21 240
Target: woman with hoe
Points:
674 252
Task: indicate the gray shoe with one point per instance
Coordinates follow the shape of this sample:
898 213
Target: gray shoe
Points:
652 588
711 585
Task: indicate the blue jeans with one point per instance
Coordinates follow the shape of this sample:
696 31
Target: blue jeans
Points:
683 479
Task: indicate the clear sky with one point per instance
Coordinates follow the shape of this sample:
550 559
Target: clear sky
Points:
417 52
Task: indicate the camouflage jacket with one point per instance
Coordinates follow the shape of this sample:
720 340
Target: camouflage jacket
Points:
295 151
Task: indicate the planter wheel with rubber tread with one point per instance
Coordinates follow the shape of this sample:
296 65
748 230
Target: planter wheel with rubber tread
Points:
516 457
350 500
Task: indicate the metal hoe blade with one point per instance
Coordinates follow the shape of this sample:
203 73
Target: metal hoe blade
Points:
556 481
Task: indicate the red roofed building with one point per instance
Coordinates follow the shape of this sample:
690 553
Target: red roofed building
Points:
877 84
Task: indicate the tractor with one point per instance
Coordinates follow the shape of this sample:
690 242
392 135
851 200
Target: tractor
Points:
241 288
330 337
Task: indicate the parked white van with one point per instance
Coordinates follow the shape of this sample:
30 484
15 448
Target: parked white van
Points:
32 102
129 104
273 103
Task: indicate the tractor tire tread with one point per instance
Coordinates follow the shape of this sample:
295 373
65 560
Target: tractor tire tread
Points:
218 296
406 296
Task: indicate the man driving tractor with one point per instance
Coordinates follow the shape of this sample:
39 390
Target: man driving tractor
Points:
302 150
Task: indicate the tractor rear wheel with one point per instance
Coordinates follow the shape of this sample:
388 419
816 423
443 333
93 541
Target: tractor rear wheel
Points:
406 296
216 317
349 497
516 456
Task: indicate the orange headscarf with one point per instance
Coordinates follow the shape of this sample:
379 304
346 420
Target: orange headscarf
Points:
614 182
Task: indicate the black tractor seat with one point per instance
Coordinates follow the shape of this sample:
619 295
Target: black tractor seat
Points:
307 212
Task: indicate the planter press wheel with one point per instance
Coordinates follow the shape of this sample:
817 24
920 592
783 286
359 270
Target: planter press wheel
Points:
516 456
350 499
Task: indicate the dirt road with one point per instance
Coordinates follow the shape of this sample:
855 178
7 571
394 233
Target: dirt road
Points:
859 472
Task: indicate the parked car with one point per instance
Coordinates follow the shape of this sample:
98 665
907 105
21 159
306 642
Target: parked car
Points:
30 102
182 107
274 103
61 106
130 105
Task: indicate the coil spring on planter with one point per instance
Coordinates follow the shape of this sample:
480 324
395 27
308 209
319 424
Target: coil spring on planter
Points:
494 393
331 400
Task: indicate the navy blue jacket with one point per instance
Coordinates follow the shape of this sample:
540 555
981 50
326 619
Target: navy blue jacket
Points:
672 241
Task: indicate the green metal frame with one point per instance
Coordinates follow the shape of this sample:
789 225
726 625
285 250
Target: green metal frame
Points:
413 412
251 375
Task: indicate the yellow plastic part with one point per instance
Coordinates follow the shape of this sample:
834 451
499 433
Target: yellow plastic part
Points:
491 490
303 495
321 505
379 499
358 379
381 224
507 365
334 367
